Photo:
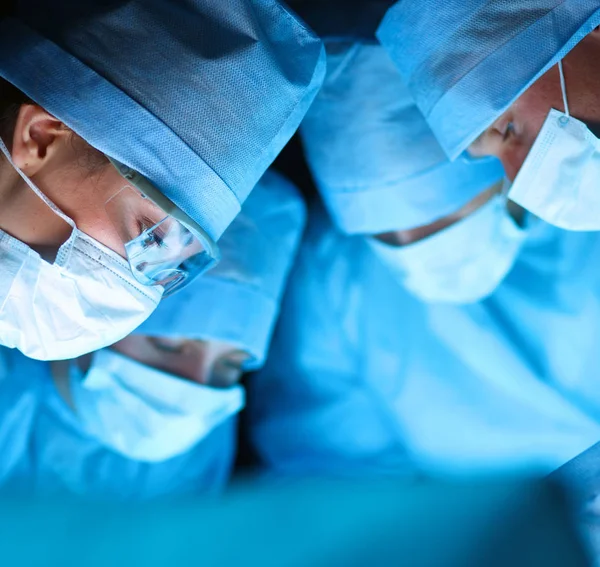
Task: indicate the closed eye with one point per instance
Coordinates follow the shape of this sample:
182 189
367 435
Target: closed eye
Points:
156 237
509 130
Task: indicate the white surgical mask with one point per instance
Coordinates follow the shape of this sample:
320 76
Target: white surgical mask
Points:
87 299
560 179
463 263
143 413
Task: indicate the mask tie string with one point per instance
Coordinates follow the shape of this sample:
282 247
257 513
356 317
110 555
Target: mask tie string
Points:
563 88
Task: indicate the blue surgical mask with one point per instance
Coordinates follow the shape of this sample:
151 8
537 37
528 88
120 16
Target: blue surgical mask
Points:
558 181
145 414
463 263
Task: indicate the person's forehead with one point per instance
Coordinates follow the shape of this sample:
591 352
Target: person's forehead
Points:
206 345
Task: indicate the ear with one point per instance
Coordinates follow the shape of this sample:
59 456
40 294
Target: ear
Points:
37 137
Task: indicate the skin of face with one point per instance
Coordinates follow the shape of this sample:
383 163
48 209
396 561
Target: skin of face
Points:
211 363
410 236
512 135
54 158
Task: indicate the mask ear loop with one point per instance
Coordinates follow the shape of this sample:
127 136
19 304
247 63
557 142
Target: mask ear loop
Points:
563 88
65 249
505 187
35 188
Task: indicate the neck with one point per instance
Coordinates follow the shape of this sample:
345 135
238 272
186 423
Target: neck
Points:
25 216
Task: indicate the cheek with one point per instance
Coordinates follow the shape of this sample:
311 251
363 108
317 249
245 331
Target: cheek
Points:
189 365
87 207
96 223
139 348
512 158
515 150
529 114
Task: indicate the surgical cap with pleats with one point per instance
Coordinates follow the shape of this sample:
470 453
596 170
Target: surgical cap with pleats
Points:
466 61
374 159
197 95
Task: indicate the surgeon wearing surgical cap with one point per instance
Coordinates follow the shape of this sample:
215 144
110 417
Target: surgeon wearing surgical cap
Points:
444 229
381 364
364 378
130 135
517 80
155 415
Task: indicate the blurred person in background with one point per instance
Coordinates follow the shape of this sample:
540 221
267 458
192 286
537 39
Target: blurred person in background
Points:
429 323
155 414
445 229
516 80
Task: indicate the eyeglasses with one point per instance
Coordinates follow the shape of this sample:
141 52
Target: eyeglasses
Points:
163 245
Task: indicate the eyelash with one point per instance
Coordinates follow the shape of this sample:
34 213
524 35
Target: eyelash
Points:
510 129
157 235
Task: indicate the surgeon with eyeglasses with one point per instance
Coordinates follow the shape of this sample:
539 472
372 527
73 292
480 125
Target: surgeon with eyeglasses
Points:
155 414
131 133
515 80
431 326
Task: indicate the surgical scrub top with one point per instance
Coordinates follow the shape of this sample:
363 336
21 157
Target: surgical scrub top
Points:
44 450
364 377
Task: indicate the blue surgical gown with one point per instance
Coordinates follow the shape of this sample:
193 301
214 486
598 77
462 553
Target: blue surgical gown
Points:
364 377
44 449
581 478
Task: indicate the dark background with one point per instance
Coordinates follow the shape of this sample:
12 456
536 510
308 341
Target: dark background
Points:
329 18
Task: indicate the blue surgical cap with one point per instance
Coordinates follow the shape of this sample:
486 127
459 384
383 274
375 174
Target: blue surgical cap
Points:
238 301
375 161
466 61
199 96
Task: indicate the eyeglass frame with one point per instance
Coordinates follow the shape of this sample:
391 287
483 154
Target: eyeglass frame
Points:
145 187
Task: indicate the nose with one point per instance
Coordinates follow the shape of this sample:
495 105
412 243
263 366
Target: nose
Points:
511 153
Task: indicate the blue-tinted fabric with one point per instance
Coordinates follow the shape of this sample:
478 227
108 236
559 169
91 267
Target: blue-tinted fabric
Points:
385 522
581 479
466 61
375 161
238 301
362 375
44 449
197 95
